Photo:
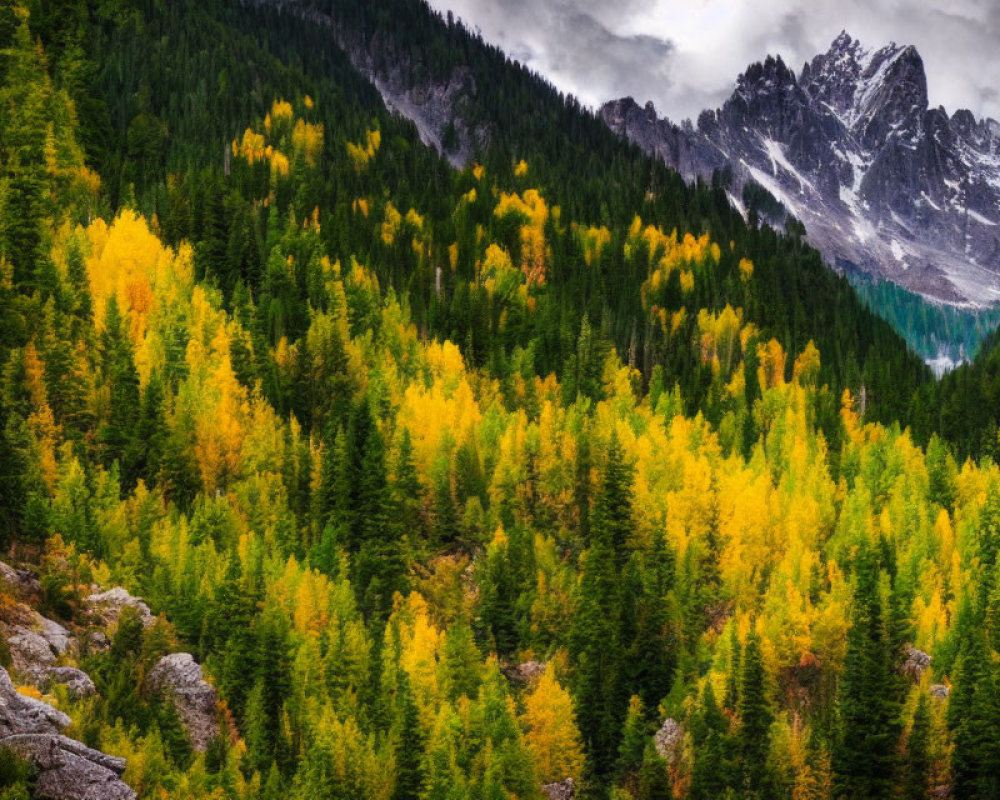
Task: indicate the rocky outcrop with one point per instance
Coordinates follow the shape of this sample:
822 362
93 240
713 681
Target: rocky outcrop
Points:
940 691
20 714
22 582
526 672
108 606
884 184
57 636
178 678
77 682
917 661
67 769
439 107
561 790
669 739
35 646
31 655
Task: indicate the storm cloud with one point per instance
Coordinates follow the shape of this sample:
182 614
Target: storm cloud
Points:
684 55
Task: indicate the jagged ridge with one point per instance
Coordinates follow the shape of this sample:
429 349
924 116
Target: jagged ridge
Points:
884 183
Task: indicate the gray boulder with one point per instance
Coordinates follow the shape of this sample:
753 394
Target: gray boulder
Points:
108 606
561 790
31 654
67 769
20 714
669 739
34 648
917 661
75 680
178 677
21 581
526 672
55 634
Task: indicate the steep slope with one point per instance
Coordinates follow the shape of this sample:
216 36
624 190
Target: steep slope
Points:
883 183
570 156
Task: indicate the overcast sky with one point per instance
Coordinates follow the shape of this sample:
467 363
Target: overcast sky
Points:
684 55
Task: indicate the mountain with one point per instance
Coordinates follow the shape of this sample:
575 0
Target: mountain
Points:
883 183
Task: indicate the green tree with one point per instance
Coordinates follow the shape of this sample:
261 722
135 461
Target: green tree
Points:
864 759
918 762
654 777
755 720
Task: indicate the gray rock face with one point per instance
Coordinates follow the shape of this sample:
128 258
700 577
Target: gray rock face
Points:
31 654
940 691
55 634
917 661
883 183
178 676
20 714
34 649
525 672
562 790
23 582
669 739
67 769
434 107
108 606
77 681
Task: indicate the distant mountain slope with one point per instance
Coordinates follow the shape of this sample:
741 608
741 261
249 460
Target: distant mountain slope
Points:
883 183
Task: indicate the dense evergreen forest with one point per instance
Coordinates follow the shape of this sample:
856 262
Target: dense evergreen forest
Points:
459 483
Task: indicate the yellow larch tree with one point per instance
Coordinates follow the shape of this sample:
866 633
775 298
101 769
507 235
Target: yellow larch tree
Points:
550 731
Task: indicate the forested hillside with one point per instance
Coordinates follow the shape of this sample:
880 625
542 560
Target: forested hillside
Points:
458 483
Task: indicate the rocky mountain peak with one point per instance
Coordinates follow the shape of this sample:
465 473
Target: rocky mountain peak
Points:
850 146
891 96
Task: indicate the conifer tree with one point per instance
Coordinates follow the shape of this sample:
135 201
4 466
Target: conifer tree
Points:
918 764
409 744
654 777
755 720
597 653
864 759
712 773
613 507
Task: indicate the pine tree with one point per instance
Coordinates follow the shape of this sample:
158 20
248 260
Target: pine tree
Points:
146 449
974 717
409 744
712 773
380 565
462 661
613 508
732 698
597 654
407 494
445 517
635 736
865 760
654 777
918 763
498 593
652 656
755 720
